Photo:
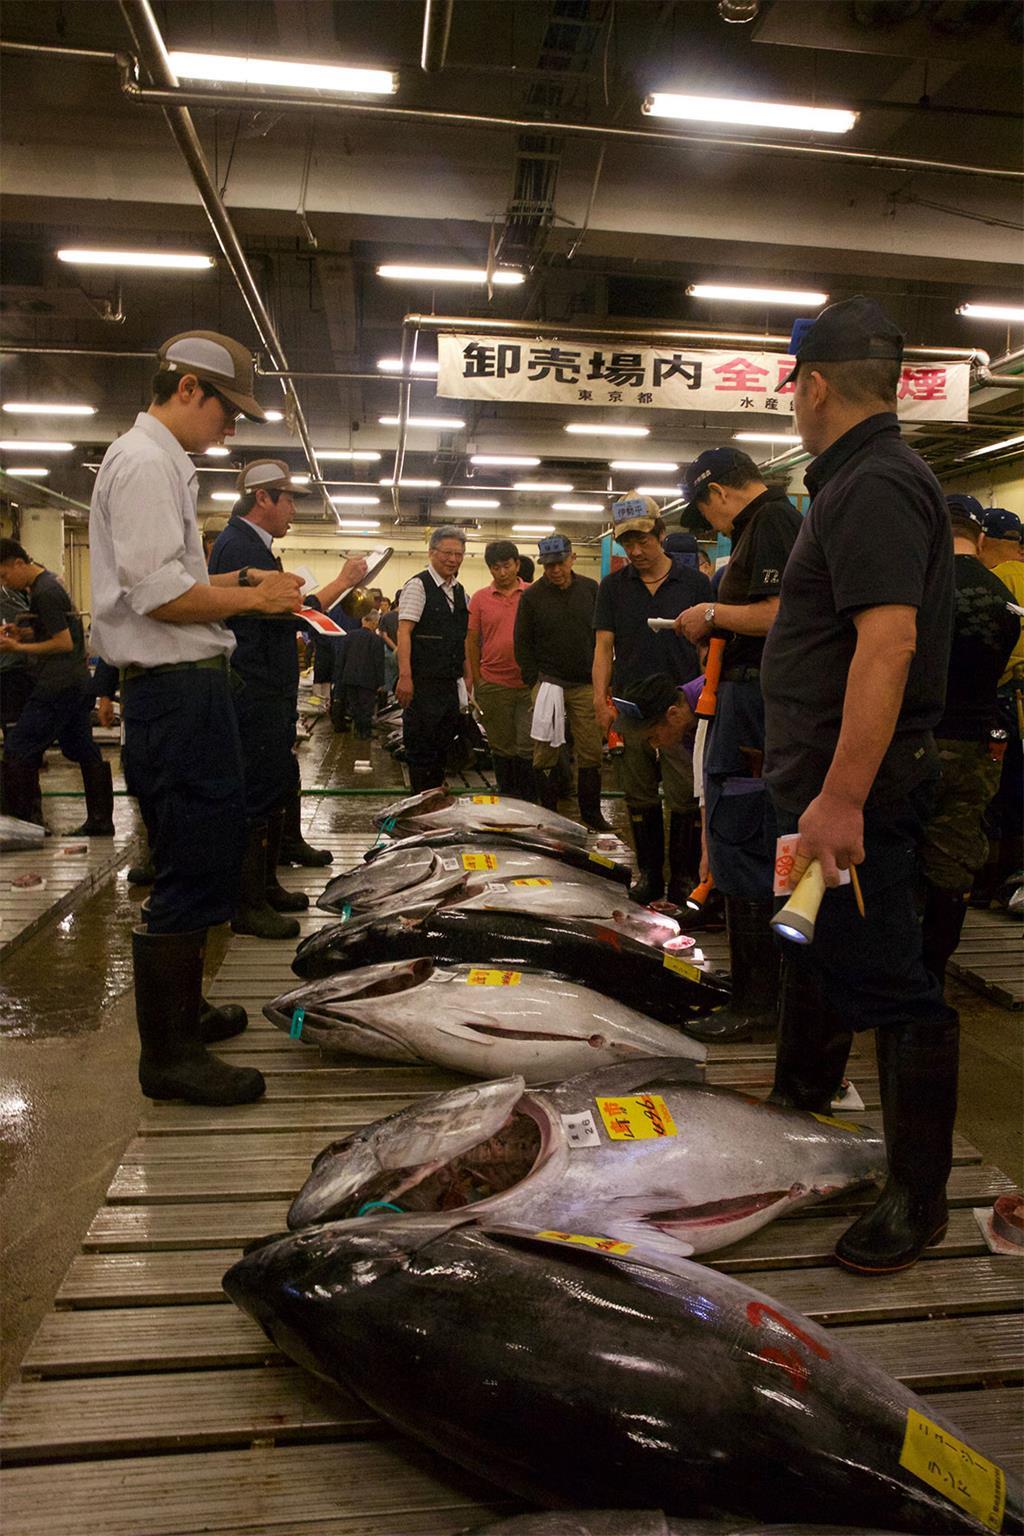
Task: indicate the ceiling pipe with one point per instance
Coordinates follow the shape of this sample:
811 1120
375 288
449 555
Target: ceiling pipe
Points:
437 26
150 45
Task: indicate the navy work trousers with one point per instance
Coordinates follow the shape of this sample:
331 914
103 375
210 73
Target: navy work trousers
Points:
183 763
738 811
429 727
266 727
62 717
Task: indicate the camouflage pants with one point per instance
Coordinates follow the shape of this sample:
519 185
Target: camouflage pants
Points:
955 843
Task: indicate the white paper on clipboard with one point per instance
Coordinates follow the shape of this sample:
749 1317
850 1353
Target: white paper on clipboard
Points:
376 560
305 575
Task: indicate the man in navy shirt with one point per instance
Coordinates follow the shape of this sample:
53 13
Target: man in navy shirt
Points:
854 682
652 586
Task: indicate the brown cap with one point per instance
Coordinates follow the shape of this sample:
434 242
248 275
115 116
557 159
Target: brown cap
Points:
267 475
634 514
216 360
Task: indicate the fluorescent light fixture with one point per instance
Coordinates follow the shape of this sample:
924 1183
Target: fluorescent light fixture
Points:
515 461
657 490
173 261
1007 442
577 506
645 466
533 527
28 471
765 437
350 455
356 501
469 502
299 479
502 277
23 408
439 423
550 486
224 496
274 415
605 429
352 526
748 114
18 445
218 453
738 293
418 365
423 484
232 70
1012 312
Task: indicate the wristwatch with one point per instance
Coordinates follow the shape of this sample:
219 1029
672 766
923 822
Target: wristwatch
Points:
243 578
709 615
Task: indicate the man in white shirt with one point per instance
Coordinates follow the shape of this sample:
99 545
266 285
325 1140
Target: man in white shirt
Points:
159 617
433 617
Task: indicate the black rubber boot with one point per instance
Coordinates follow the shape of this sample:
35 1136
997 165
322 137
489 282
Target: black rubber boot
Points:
813 1045
20 795
253 915
546 780
294 848
523 779
278 896
220 1023
99 801
142 874
588 793
917 1072
683 854
174 1063
504 774
944 913
755 960
648 828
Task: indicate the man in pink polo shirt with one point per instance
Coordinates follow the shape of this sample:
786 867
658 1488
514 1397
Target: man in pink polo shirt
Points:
498 686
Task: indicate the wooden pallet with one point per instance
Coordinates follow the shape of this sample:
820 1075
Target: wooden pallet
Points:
990 957
149 1405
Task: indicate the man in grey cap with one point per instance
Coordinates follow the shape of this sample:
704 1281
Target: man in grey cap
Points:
854 682
433 618
265 661
159 617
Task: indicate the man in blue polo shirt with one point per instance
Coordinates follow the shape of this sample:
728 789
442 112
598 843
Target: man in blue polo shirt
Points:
652 586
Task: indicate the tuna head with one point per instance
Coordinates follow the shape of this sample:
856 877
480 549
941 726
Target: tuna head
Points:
402 1156
319 1013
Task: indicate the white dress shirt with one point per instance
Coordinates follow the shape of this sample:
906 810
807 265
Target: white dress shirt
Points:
414 598
145 550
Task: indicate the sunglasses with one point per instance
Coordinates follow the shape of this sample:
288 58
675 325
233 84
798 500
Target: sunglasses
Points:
231 412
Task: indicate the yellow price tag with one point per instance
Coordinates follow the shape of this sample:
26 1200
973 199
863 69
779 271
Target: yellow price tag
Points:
962 1475
601 858
530 882
479 861
842 1125
637 1117
480 978
483 799
603 1244
681 967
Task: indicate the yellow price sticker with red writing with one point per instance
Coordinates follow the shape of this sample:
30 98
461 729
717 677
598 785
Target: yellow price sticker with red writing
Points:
531 882
601 858
841 1125
636 1117
483 799
964 1476
681 967
602 1244
484 978
479 861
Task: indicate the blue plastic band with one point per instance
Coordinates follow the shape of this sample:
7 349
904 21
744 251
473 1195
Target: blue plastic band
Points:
388 825
346 912
298 1017
379 1205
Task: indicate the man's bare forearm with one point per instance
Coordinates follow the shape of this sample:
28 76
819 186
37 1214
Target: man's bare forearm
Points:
886 641
601 671
204 604
747 618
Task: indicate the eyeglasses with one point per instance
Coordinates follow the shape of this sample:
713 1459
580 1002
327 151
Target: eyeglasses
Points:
231 412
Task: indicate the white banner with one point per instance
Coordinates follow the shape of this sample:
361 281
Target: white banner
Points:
577 374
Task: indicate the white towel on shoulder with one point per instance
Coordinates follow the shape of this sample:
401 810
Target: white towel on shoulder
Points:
548 722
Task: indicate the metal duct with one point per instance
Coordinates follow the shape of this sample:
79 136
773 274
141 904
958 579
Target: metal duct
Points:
437 26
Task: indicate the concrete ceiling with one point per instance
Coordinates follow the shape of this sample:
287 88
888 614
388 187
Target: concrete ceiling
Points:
319 199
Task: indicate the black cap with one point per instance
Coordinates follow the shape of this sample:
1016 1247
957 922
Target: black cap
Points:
712 464
653 697
853 329
680 544
967 508
999 523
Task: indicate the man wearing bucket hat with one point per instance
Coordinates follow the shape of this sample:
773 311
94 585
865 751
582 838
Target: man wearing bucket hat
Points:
854 682
159 617
265 663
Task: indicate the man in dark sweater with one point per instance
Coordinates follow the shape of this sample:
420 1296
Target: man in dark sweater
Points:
984 634
554 646
360 673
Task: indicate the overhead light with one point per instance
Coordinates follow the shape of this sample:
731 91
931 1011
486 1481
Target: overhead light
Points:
749 114
351 455
1012 312
471 501
542 485
232 70
605 429
577 506
23 408
657 490
224 496
174 261
352 526
739 294
441 423
19 445
356 501
517 461
299 479
28 471
418 365
218 453
502 277
765 437
1007 442
424 484
274 415
533 527
645 466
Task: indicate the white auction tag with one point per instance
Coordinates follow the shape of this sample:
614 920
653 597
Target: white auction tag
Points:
581 1130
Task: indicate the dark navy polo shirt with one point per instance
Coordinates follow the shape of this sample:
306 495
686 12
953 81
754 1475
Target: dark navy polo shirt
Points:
624 605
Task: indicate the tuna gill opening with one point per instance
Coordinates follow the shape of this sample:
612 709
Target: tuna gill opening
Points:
495 1165
412 975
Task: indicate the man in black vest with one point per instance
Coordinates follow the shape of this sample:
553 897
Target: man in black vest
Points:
433 617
